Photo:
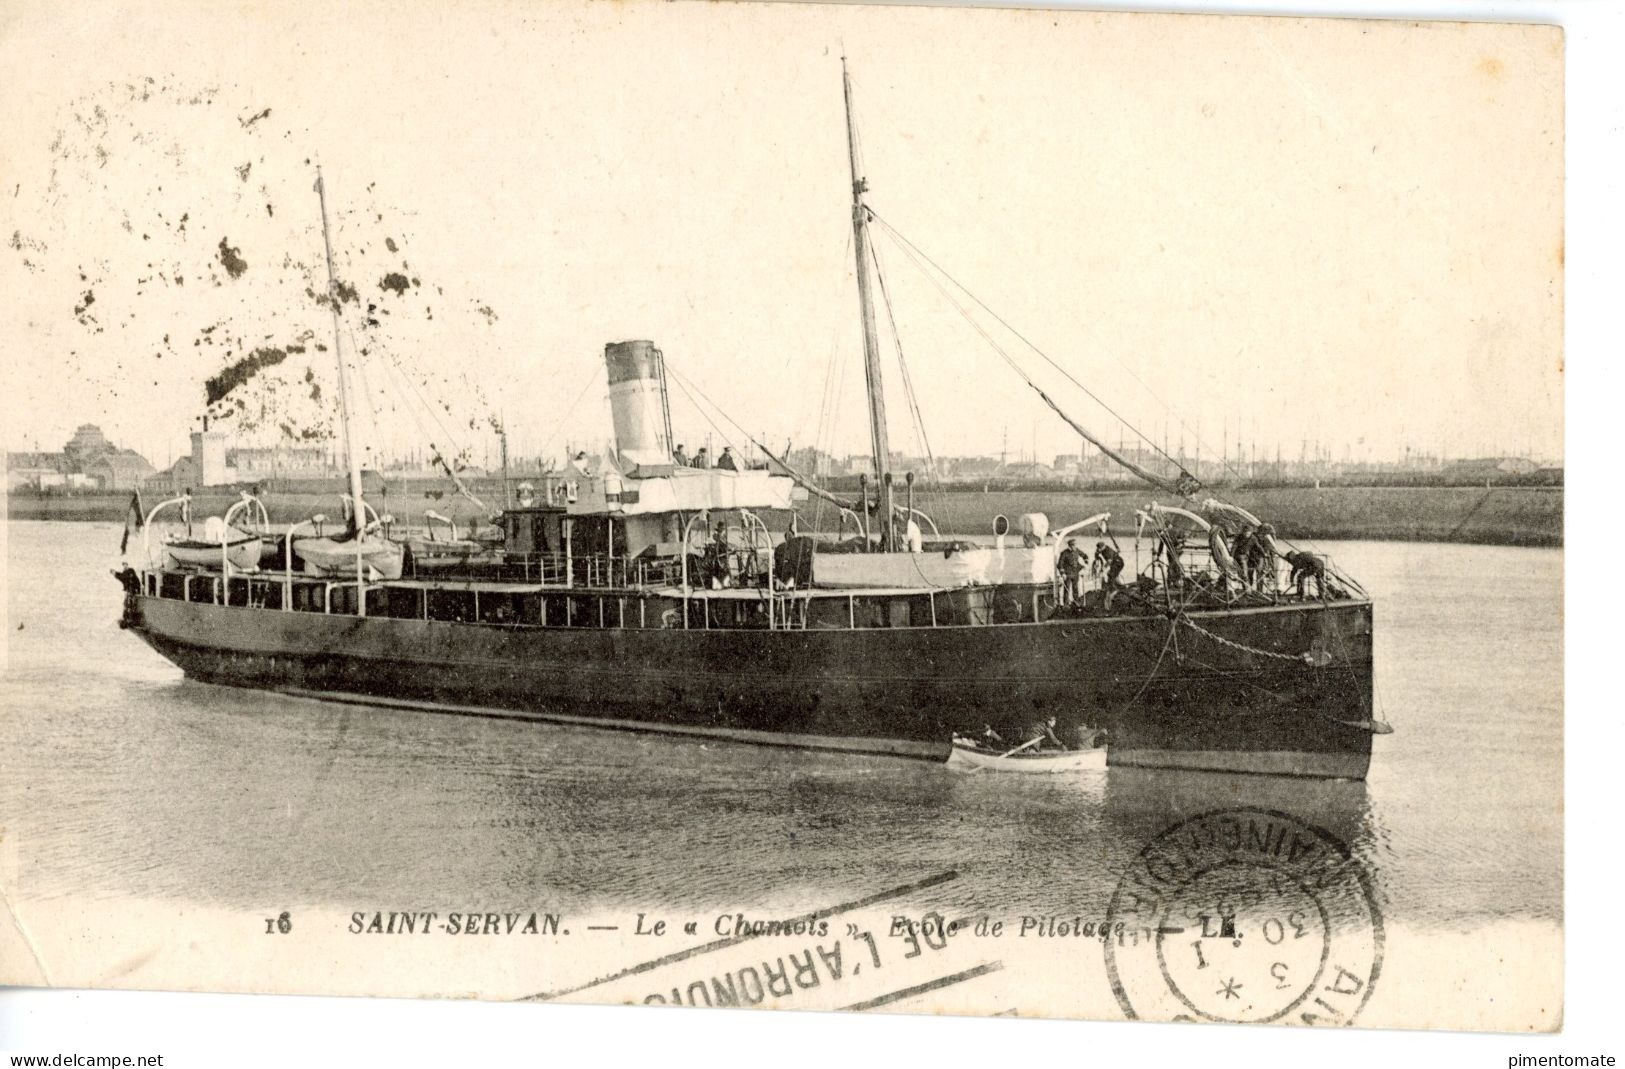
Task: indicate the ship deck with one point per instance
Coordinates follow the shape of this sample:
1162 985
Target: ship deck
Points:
511 604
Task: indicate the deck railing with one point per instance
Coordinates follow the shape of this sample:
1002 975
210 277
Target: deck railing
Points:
554 569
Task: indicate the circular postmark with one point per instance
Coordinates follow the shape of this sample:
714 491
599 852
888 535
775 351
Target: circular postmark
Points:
1245 916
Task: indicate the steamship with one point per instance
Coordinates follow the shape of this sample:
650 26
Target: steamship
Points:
660 597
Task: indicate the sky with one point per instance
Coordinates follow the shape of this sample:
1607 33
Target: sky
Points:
1278 229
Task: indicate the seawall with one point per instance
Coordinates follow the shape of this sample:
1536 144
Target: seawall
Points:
1512 515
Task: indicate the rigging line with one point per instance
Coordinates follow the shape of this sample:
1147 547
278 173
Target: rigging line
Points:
592 376
828 399
1179 486
844 359
961 309
834 365
1167 408
893 231
678 377
829 416
789 354
359 362
902 363
1167 643
390 366
819 413
450 438
827 405
408 374
392 372
811 486
439 456
681 379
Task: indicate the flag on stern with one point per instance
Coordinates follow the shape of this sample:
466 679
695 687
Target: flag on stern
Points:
134 520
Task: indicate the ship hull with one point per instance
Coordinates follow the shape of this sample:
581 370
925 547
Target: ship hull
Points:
1169 695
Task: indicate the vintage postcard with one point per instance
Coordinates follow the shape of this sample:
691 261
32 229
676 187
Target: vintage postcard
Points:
901 509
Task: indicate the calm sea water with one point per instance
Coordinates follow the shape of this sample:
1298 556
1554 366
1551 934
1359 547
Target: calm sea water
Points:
119 778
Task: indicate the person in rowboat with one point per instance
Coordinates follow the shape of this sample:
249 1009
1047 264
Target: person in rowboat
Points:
1090 738
1041 736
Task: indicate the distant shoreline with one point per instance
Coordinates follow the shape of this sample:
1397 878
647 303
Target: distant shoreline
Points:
1498 515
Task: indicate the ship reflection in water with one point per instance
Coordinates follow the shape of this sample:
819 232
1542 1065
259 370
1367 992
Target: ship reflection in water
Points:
1146 802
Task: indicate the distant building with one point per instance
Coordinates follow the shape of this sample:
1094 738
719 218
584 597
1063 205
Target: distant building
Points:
179 477
299 460
209 457
26 470
970 467
1490 467
88 461
124 470
87 443
216 462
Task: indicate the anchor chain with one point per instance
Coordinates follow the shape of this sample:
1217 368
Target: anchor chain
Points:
1306 657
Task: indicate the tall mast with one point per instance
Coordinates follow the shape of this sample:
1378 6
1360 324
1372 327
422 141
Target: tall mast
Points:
358 522
502 433
871 344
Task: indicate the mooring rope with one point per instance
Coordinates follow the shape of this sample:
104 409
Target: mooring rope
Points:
1173 632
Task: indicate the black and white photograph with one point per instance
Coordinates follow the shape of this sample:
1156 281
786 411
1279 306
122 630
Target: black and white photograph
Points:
903 510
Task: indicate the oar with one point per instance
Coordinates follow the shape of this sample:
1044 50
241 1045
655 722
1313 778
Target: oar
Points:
1023 746
1007 753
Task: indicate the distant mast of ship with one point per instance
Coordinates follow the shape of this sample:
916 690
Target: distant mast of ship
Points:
871 344
358 522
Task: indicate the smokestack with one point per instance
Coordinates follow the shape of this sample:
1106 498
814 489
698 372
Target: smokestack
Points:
638 403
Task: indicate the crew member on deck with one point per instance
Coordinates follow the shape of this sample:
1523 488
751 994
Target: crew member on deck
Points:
716 553
680 457
702 459
726 461
1071 563
579 463
1171 544
1262 561
1241 551
1304 567
1108 562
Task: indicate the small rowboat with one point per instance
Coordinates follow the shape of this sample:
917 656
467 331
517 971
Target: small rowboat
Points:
429 554
336 557
243 552
967 758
